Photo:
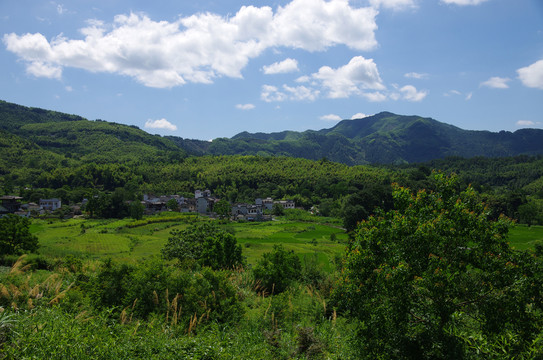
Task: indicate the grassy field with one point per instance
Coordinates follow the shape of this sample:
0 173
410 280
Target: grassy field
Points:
522 237
129 240
123 241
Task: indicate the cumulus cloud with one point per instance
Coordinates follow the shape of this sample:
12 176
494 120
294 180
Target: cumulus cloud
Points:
463 2
394 4
415 75
197 48
532 76
245 106
359 116
525 123
160 124
285 66
375 96
496 83
271 93
359 74
410 93
330 117
354 78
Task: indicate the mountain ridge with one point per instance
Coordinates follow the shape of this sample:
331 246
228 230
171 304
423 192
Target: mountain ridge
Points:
384 138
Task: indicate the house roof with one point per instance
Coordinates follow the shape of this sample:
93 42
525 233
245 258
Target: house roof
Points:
10 197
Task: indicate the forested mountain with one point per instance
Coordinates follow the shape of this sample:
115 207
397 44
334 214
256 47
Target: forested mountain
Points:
383 138
27 130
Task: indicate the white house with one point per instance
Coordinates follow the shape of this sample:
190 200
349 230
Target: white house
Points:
50 204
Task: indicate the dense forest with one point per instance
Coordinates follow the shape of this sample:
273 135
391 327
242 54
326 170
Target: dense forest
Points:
427 271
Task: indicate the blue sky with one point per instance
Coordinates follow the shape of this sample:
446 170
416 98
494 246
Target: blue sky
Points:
210 69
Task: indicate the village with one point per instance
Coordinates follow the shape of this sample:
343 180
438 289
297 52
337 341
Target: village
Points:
202 203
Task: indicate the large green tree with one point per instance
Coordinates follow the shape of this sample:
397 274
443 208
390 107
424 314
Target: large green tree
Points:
435 278
203 243
15 236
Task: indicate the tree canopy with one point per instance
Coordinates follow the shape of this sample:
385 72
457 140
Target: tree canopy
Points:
15 236
205 244
435 278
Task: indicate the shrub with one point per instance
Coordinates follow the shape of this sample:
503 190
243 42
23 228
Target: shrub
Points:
203 243
277 269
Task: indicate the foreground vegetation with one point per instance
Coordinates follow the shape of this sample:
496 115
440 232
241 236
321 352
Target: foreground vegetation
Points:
432 278
421 269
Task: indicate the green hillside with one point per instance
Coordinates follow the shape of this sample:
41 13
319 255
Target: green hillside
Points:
74 139
384 138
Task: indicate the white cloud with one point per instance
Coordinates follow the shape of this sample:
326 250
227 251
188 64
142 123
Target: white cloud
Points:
197 48
285 66
453 92
359 74
271 93
330 117
463 2
394 4
375 96
61 9
245 106
359 116
301 93
315 25
303 79
40 69
532 76
410 93
160 124
525 123
415 75
354 78
69 88
496 83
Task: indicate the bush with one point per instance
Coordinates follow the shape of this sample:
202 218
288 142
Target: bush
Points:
155 288
203 243
276 270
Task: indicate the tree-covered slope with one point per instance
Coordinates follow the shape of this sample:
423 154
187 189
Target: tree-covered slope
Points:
73 137
384 138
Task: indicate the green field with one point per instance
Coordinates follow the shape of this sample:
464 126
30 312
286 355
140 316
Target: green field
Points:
121 240
523 237
128 240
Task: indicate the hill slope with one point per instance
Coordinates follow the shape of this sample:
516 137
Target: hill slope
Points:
381 138
72 137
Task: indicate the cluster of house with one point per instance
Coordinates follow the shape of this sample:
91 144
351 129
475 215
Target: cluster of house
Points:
203 203
12 205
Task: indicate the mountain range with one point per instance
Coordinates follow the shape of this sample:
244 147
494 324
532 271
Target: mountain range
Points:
384 138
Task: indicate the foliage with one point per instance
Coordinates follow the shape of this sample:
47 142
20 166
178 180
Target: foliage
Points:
278 210
136 210
277 270
203 243
15 236
172 205
223 209
102 206
422 277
